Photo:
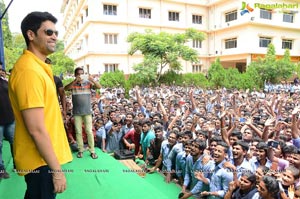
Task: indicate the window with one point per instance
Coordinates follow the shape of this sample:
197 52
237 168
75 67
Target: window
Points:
197 43
197 19
109 10
231 16
230 43
264 41
265 14
110 38
173 16
86 12
288 17
87 40
110 67
197 68
287 44
145 13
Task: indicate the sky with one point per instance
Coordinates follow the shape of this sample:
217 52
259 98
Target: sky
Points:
20 8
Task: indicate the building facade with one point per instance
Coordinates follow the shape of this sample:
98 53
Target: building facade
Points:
238 32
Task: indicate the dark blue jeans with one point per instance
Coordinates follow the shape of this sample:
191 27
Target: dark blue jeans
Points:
40 184
6 131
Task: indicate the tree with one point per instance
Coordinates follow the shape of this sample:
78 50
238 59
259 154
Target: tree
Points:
7 36
163 49
233 78
60 62
252 78
147 70
269 65
216 74
272 70
285 68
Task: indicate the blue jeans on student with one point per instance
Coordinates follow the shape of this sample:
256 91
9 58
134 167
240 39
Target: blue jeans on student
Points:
7 131
39 184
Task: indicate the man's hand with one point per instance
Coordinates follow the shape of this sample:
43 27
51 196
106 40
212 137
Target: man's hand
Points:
77 79
178 112
270 121
131 146
291 191
228 165
64 115
59 182
232 186
151 170
140 156
168 177
185 196
248 121
223 114
205 160
199 175
90 78
296 110
205 193
191 93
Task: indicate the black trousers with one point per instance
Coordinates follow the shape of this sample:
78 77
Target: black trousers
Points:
39 184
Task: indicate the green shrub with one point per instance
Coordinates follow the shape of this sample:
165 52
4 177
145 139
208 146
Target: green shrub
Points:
113 79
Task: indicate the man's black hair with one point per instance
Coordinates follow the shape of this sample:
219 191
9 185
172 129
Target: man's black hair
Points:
216 139
288 149
201 144
189 133
241 143
147 122
203 133
237 134
262 145
224 145
33 22
271 184
158 127
77 69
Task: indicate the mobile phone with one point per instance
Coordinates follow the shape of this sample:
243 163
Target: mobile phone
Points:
273 144
242 120
84 77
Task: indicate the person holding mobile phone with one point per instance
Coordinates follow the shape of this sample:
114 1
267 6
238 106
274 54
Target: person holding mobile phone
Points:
82 109
274 155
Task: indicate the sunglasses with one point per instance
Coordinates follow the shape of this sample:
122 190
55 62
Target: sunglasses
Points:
50 32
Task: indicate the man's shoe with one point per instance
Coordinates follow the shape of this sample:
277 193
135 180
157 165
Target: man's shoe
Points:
3 174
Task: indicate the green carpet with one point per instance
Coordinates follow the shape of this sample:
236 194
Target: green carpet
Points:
104 177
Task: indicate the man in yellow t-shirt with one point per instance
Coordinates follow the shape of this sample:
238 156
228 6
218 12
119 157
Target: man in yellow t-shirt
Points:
40 143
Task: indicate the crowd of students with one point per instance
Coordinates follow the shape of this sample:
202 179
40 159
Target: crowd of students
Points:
213 143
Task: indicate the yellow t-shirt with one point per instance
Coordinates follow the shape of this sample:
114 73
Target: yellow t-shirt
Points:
31 85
